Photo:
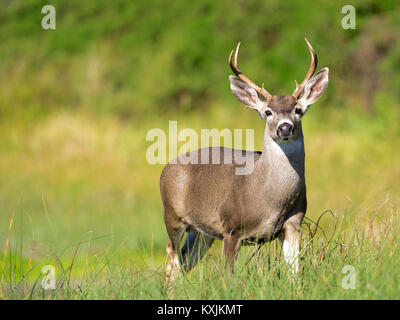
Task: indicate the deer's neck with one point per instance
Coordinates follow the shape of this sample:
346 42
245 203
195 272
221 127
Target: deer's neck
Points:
283 162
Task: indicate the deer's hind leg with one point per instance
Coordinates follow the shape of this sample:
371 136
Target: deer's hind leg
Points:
175 230
173 266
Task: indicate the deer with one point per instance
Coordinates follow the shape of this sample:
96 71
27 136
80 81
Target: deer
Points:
210 202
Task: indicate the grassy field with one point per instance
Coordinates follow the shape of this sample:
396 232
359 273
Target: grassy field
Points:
76 103
84 199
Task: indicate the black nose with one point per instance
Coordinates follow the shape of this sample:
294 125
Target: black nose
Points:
285 129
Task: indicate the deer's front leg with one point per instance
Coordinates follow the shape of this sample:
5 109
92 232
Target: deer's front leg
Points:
230 249
290 238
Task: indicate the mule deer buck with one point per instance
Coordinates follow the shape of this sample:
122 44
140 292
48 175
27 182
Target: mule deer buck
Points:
210 201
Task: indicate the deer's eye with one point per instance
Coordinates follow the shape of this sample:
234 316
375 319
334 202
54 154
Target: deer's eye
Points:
298 111
268 113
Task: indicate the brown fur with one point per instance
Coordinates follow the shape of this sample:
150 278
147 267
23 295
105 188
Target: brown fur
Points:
210 201
282 104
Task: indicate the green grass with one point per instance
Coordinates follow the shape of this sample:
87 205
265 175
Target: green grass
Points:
372 249
87 202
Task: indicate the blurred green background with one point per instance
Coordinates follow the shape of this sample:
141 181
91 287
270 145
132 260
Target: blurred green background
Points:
76 104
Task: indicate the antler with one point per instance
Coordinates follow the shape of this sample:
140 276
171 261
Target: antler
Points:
242 77
311 70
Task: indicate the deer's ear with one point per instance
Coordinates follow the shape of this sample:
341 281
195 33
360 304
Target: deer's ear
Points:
314 88
245 93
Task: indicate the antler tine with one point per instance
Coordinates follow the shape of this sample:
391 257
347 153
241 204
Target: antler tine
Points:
242 77
311 70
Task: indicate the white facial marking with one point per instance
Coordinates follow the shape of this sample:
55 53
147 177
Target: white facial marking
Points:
283 121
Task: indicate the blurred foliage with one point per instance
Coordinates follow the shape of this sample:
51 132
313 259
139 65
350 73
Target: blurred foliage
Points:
131 58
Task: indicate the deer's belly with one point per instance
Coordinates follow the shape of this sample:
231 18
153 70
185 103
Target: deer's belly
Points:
267 230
